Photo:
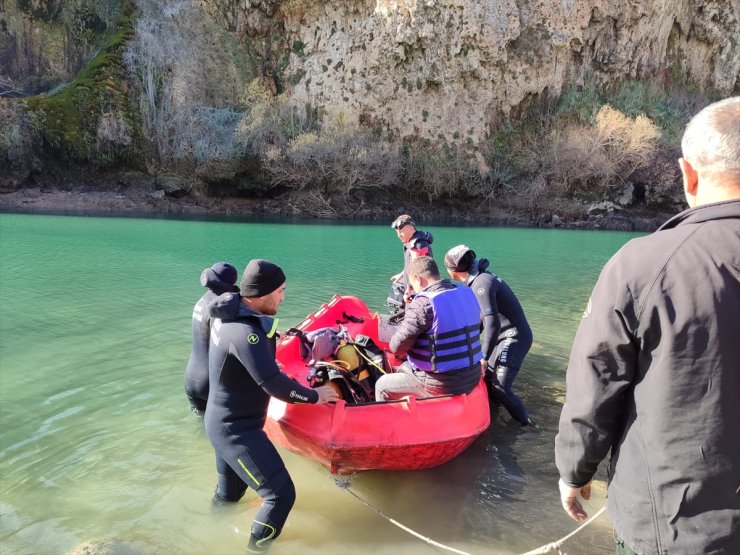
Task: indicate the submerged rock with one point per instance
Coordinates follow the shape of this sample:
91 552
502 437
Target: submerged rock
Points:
107 546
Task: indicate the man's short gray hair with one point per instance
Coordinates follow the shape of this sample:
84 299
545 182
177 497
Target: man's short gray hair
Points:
711 142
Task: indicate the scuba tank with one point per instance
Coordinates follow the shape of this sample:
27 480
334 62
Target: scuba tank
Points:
348 354
351 368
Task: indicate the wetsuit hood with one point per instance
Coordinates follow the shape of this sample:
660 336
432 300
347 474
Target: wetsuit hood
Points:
229 306
209 278
476 268
424 235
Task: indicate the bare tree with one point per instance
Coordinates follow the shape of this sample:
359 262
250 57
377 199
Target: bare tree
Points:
8 88
174 57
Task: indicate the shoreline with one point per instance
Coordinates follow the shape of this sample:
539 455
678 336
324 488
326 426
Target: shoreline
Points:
76 199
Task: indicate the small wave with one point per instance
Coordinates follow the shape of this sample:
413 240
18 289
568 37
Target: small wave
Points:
63 395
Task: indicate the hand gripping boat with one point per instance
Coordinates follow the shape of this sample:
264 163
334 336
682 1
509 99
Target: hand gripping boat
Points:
407 434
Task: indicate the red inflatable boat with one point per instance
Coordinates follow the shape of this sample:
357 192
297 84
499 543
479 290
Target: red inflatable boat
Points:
408 434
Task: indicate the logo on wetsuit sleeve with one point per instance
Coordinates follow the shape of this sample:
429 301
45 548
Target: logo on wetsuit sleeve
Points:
298 396
253 338
481 291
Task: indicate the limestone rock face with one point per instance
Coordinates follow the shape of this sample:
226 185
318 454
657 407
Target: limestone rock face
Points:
454 70
44 43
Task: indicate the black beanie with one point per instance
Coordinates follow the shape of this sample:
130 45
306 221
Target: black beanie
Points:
261 277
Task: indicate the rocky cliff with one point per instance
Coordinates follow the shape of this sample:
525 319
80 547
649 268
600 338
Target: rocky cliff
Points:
541 96
44 43
455 70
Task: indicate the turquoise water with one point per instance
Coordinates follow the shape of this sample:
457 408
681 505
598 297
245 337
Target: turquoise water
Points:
96 439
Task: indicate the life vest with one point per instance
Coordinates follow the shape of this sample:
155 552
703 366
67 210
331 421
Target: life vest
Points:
453 341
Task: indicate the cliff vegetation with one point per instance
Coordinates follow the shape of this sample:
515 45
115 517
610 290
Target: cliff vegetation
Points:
549 114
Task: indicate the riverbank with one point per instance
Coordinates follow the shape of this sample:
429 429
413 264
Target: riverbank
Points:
137 193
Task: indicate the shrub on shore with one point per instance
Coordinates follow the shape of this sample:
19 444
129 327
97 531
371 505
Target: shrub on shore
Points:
599 156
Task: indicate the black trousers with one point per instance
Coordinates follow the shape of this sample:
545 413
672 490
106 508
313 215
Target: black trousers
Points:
251 460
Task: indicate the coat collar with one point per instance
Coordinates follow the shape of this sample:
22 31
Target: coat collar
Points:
727 209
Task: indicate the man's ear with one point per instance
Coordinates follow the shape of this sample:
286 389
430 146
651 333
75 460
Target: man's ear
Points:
690 180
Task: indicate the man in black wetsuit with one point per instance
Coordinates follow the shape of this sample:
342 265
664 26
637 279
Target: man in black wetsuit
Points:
219 278
506 336
243 377
416 243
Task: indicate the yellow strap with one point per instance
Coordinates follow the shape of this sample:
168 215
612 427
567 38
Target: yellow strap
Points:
359 352
256 481
339 364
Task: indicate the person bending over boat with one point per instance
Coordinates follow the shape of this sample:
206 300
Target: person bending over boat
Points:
506 337
440 334
219 278
415 243
243 377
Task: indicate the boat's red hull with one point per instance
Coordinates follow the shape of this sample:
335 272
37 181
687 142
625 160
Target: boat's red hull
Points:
408 434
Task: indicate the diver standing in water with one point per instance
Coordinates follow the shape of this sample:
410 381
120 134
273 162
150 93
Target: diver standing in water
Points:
416 243
219 278
243 377
506 337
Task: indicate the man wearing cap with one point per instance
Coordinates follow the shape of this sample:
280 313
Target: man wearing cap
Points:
219 278
243 377
415 243
440 334
506 336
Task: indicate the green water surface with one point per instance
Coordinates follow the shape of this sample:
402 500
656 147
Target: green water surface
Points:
96 439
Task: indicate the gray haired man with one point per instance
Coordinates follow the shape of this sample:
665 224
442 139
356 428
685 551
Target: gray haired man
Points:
654 373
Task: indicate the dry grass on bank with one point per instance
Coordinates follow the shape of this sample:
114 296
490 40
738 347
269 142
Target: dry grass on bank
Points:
600 156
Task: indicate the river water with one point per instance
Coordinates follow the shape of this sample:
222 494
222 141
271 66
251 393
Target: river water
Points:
97 441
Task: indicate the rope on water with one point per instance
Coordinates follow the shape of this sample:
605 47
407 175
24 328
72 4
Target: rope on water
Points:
345 485
552 546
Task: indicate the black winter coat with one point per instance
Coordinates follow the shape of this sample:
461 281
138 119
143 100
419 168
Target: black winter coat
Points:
654 375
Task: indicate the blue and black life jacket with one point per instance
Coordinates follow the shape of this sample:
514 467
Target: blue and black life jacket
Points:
453 341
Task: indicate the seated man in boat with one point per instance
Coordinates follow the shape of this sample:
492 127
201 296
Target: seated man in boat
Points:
243 377
440 336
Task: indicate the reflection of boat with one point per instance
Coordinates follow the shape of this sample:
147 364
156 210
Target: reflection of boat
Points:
408 434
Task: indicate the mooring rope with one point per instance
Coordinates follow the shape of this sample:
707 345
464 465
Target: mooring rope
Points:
552 546
345 485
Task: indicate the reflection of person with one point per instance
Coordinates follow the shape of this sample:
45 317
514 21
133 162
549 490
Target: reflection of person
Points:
219 279
243 376
415 243
654 374
506 336
440 334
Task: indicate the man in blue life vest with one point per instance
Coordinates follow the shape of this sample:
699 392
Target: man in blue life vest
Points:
439 334
243 377
415 243
506 336
219 278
